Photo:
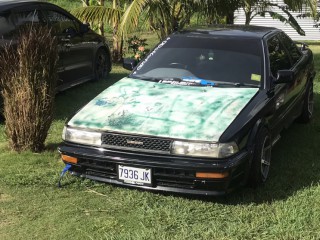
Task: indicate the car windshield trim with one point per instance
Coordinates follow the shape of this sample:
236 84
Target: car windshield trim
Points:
176 81
237 84
192 82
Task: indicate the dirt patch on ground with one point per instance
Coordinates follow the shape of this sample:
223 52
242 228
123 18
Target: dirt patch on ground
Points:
5 197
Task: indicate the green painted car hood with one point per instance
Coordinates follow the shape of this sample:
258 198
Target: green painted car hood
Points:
147 108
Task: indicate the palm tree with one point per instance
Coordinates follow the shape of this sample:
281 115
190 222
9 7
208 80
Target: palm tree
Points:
166 16
105 14
162 16
253 8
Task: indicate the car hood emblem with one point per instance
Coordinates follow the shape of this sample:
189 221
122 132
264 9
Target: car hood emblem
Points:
134 142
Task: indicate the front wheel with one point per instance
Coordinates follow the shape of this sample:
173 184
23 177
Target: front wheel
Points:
260 166
101 65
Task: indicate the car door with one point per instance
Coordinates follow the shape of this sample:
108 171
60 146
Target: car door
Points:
76 54
299 67
284 93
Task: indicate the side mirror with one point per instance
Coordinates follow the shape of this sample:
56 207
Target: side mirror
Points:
84 28
70 32
303 46
129 63
284 76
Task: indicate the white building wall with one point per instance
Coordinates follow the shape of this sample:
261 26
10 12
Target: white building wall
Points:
307 24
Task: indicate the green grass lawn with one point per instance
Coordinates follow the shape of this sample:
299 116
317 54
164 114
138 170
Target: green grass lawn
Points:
32 207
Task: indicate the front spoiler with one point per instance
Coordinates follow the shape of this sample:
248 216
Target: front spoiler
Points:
92 160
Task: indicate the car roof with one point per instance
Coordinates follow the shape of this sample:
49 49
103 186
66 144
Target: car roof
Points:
240 31
15 2
8 4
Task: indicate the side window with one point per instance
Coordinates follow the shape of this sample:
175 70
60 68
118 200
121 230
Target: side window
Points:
7 25
279 59
291 47
61 23
12 22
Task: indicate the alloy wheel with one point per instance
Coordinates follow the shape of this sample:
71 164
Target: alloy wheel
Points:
265 158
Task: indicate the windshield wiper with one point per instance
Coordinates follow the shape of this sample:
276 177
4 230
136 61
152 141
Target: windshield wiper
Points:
144 78
187 82
237 84
177 81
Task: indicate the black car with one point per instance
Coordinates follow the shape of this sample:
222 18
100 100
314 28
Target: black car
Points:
198 115
83 54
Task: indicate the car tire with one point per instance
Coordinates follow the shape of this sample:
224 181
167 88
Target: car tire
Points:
101 65
260 165
308 104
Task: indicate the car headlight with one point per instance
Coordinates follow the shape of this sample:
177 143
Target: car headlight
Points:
81 136
214 150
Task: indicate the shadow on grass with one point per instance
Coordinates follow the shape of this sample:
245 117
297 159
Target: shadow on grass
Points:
295 164
52 147
70 101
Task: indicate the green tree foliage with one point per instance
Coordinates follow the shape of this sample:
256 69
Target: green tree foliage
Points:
99 14
162 16
166 16
253 8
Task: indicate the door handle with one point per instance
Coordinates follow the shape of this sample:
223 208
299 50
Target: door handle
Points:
65 40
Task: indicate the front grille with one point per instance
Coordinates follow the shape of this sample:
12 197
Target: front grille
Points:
174 178
99 168
128 141
165 177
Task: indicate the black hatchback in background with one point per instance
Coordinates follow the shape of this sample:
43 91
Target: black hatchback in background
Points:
83 54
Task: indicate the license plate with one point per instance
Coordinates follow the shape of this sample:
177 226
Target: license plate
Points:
132 175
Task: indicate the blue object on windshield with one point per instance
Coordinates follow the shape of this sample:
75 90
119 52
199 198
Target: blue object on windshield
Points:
198 80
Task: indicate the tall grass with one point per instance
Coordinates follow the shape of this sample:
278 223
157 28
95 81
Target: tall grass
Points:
28 78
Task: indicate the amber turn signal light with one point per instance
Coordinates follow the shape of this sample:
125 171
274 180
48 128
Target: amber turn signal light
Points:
69 159
212 175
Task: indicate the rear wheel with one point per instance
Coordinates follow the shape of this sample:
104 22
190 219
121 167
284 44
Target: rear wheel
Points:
307 109
101 65
261 159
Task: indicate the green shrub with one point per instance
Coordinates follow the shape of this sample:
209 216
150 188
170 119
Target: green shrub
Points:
28 76
136 46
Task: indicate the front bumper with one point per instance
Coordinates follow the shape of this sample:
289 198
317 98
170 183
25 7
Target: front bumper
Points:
169 173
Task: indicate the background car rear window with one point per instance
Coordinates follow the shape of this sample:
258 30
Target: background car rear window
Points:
61 23
11 23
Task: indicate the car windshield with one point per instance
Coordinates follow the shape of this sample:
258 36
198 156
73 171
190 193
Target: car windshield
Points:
220 61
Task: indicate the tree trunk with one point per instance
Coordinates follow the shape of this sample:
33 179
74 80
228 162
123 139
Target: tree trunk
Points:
230 17
101 25
117 46
85 3
248 18
101 29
